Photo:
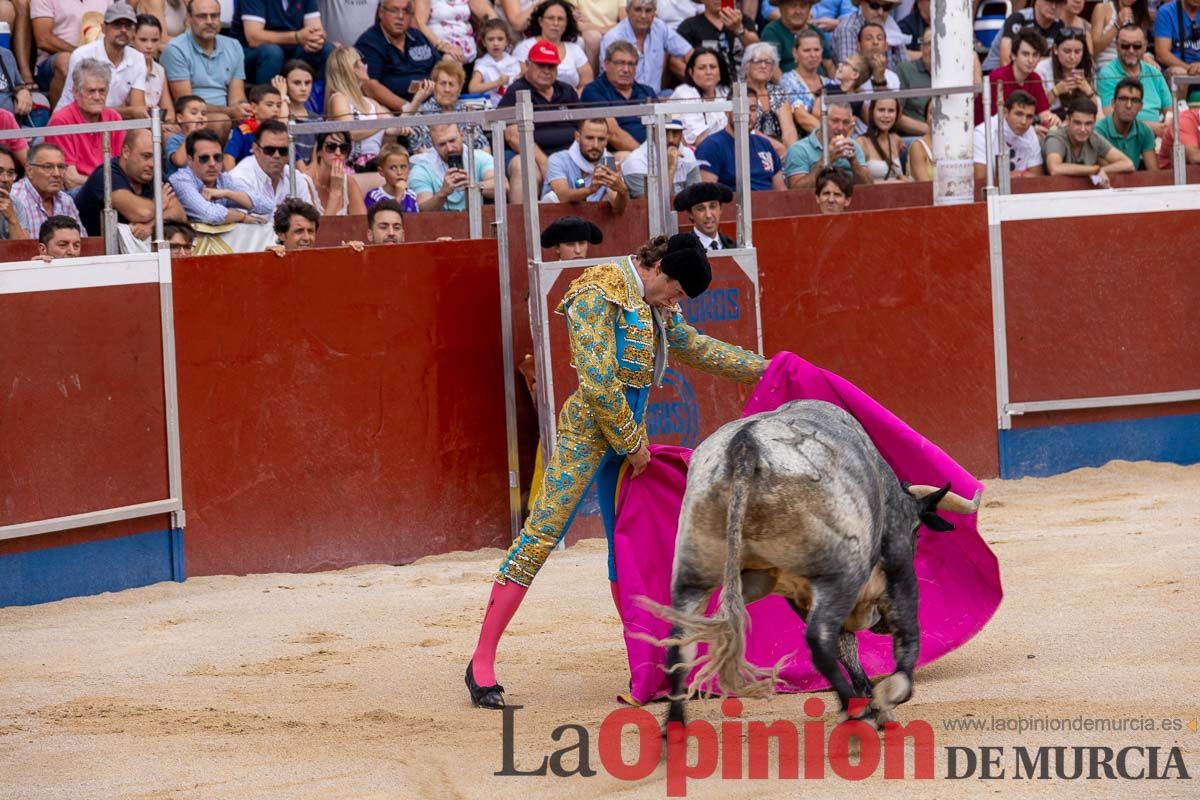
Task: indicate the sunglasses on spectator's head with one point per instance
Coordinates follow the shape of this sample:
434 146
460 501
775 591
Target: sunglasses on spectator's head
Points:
273 150
337 147
877 6
208 157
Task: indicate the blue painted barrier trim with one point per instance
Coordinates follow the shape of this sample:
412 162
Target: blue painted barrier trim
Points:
1049 450
108 565
178 573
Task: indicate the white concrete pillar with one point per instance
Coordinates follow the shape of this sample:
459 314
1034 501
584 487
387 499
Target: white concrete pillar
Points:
954 64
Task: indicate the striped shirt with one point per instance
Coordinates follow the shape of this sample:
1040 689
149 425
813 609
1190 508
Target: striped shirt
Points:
32 210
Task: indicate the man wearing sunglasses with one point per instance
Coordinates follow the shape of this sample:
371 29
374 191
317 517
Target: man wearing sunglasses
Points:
208 194
1177 39
266 171
1129 63
127 86
845 36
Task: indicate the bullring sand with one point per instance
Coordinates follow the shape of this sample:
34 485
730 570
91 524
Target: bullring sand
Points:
349 684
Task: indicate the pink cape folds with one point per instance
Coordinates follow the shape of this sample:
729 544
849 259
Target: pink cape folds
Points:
958 574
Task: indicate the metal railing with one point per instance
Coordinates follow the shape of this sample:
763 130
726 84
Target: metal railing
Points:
474 120
661 217
106 130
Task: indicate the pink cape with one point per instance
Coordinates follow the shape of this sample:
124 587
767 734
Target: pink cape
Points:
958 575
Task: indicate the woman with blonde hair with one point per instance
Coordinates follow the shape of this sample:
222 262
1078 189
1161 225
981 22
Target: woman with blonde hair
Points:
345 76
442 94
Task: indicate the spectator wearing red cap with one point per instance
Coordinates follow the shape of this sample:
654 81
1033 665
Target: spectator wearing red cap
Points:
546 91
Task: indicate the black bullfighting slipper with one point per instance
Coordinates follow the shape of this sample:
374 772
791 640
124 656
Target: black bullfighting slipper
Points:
483 696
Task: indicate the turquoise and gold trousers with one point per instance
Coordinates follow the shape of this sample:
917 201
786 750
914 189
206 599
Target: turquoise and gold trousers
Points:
581 456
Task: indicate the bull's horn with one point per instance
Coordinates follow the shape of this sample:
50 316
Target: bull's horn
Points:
951 502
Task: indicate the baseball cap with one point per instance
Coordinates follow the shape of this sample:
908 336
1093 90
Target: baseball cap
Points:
673 125
543 52
119 10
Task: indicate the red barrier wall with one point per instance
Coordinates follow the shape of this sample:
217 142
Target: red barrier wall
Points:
82 411
899 303
1105 306
340 408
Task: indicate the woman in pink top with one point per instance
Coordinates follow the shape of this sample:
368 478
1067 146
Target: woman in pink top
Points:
84 151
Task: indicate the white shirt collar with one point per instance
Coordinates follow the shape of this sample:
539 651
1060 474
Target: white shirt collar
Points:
637 277
706 241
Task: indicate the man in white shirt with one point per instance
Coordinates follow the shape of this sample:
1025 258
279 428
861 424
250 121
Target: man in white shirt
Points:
657 43
1020 148
266 170
702 202
681 163
127 88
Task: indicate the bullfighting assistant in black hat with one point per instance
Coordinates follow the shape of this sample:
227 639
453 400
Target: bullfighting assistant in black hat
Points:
571 229
702 192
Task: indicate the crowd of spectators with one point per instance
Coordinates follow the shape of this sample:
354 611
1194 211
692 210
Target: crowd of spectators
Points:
1072 95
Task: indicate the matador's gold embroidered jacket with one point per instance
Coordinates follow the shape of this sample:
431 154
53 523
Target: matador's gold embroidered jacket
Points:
613 349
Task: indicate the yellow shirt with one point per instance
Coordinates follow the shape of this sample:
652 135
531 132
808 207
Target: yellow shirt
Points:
599 12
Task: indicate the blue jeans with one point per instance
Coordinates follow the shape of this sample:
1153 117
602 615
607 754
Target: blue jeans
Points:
266 61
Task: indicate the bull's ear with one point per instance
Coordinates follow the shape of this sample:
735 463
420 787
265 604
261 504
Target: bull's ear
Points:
927 511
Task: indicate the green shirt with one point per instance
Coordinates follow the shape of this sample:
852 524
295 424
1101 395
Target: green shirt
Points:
913 75
1156 95
785 42
1138 141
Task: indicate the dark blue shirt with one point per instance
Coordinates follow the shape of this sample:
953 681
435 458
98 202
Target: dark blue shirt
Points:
716 154
601 92
550 136
275 15
393 68
90 201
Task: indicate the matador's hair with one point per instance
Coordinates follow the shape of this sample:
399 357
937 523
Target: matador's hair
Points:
653 250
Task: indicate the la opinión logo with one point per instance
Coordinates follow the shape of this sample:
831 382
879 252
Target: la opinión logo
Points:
852 751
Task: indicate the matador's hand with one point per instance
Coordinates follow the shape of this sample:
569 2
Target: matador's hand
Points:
639 459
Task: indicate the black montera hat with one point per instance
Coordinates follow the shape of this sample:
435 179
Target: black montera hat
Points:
571 229
687 263
702 192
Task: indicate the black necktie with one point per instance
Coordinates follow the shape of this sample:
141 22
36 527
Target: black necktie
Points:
715 244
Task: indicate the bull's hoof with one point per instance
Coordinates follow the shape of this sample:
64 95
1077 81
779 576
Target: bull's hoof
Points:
889 693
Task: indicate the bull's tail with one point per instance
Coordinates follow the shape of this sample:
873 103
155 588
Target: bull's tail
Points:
725 632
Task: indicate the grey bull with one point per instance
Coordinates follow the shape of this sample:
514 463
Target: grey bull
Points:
798 502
